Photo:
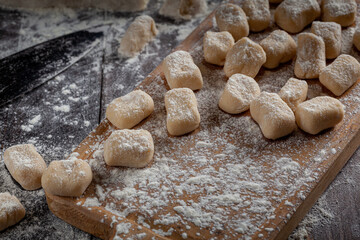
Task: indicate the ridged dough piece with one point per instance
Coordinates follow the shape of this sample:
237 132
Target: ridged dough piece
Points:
230 17
330 32
356 39
216 46
279 47
339 11
341 74
68 178
318 114
180 71
310 60
273 115
182 112
258 13
127 111
25 165
11 210
294 92
129 148
245 57
239 91
294 15
141 31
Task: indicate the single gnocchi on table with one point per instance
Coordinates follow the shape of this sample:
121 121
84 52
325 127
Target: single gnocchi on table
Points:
294 92
11 210
245 57
216 45
342 12
258 14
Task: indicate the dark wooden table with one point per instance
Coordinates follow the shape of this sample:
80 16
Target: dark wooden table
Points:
87 87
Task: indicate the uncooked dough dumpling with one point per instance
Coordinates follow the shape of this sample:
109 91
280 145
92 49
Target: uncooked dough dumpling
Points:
239 91
319 113
330 32
310 59
339 11
294 15
231 18
216 46
182 112
279 47
127 111
245 57
181 71
68 178
129 148
11 210
183 9
341 74
356 39
25 165
294 92
273 115
139 33
258 13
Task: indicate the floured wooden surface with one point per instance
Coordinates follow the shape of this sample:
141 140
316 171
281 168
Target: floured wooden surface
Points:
225 180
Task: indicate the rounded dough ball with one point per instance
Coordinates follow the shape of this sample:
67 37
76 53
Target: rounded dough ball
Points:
319 113
239 91
339 11
127 111
279 47
294 15
181 71
11 210
216 46
356 39
25 165
273 115
258 13
129 148
294 92
330 32
230 17
68 178
139 33
245 57
182 112
341 74
310 60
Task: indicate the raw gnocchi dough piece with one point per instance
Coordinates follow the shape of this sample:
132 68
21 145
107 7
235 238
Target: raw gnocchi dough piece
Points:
127 111
339 11
310 60
245 57
258 13
25 165
182 112
331 34
129 148
279 47
181 71
11 210
294 15
341 74
216 46
68 178
239 91
294 92
356 39
230 17
183 9
141 31
318 114
273 115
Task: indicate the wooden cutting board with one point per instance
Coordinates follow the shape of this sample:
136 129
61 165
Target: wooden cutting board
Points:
224 180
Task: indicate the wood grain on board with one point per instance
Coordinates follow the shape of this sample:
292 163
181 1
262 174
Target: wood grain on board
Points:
345 138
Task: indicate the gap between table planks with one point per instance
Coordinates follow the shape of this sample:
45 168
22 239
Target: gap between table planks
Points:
347 138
